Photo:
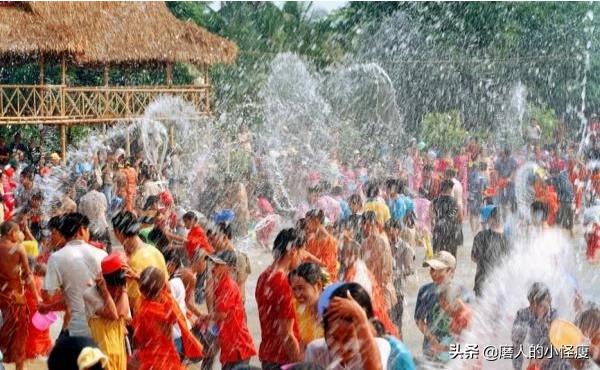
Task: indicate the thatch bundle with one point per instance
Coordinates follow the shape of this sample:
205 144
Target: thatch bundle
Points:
100 33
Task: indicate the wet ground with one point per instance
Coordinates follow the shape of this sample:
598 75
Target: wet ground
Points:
261 258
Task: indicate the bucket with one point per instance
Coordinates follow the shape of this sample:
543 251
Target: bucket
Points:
562 333
43 321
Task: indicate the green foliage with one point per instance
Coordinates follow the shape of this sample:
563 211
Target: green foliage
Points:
443 130
547 120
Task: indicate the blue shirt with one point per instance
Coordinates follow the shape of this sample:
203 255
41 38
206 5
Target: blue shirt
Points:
397 208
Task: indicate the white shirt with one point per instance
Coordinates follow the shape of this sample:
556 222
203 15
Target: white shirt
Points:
457 193
318 353
178 292
93 302
93 204
73 269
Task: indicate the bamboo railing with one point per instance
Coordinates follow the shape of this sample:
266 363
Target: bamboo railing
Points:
64 105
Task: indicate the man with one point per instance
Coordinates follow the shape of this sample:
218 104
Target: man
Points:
141 255
430 186
490 247
4 153
457 188
94 205
17 145
589 323
505 167
196 238
431 321
14 274
26 190
274 298
376 204
71 269
566 197
447 220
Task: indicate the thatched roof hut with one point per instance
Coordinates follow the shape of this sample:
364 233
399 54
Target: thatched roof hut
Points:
108 33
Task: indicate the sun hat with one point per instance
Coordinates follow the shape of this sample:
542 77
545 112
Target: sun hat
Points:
441 260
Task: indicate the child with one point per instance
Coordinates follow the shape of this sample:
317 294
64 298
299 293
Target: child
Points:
236 341
38 342
174 261
153 323
107 310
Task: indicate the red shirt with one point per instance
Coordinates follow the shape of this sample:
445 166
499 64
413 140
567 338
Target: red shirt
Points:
274 299
234 335
196 238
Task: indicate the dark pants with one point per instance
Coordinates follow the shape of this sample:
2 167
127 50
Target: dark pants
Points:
211 348
242 365
396 313
270 366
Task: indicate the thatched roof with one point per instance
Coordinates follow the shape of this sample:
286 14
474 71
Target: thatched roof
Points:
112 33
24 33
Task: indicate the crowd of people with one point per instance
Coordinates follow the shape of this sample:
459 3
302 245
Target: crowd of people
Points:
144 284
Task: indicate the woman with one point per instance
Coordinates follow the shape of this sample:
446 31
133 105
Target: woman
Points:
320 243
351 340
307 282
107 309
357 271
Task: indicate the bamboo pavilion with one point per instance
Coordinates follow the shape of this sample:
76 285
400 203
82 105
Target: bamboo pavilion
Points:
100 35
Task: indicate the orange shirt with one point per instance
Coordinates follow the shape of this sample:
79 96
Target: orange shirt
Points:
196 238
324 247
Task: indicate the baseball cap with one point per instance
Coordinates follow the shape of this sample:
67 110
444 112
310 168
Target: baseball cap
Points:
113 262
225 257
441 260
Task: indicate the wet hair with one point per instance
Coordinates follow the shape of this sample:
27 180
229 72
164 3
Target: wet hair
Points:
541 208
450 173
311 272
28 173
286 241
37 196
393 224
446 185
7 227
372 189
315 213
158 238
300 224
55 222
174 255
428 167
190 216
482 166
337 190
369 217
537 293
126 223
324 186
360 295
71 223
355 199
116 278
66 350
151 201
305 366
313 190
589 320
152 281
224 228
393 184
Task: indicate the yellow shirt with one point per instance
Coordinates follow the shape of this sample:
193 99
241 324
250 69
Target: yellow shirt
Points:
310 328
145 256
381 210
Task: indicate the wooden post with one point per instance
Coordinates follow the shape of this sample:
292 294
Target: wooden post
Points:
63 143
172 135
63 69
169 73
205 70
41 69
127 143
106 76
